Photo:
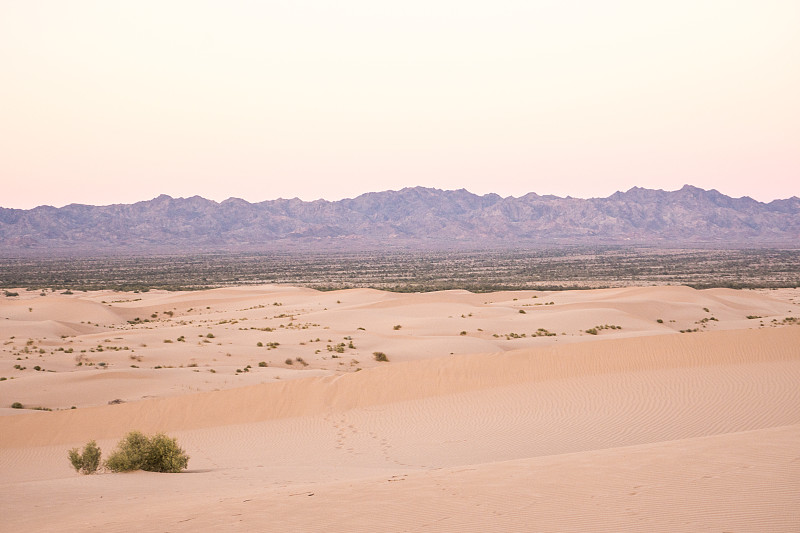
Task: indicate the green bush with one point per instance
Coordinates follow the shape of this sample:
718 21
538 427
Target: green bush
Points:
129 454
380 357
87 462
137 451
17 405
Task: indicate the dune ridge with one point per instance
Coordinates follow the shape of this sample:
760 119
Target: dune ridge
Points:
405 381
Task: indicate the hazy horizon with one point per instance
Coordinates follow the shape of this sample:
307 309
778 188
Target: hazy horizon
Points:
368 192
118 102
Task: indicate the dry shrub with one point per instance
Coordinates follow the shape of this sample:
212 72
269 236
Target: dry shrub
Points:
137 451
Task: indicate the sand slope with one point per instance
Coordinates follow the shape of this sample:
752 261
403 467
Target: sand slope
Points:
652 431
169 344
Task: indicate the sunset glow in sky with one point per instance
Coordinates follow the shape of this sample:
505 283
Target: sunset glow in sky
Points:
119 101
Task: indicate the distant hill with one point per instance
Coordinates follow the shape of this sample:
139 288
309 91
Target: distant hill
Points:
412 218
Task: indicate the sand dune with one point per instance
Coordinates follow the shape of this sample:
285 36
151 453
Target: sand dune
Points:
642 428
610 364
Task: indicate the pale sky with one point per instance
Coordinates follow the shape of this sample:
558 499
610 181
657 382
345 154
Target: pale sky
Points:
119 101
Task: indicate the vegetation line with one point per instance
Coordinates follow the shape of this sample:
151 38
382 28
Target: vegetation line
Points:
481 271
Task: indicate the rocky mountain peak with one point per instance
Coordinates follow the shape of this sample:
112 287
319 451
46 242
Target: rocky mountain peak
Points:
411 217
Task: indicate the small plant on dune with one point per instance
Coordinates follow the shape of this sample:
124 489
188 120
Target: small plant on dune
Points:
596 329
137 451
380 357
87 462
17 405
129 454
398 326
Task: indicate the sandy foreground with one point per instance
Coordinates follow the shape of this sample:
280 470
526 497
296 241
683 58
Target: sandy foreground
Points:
534 411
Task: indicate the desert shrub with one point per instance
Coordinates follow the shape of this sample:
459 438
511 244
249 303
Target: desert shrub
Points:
129 454
262 364
660 321
398 326
339 348
137 451
164 455
17 405
87 462
380 357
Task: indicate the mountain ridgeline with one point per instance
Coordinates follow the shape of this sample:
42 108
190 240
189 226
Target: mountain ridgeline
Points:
412 218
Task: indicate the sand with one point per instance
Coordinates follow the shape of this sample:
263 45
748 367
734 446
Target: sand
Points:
480 421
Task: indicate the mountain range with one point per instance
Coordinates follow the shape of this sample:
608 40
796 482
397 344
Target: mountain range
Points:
412 218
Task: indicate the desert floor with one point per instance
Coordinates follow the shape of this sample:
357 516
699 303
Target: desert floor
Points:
629 409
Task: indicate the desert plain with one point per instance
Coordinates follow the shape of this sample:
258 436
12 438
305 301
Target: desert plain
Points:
626 409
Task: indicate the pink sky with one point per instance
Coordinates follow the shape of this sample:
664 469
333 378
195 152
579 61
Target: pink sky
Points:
115 102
